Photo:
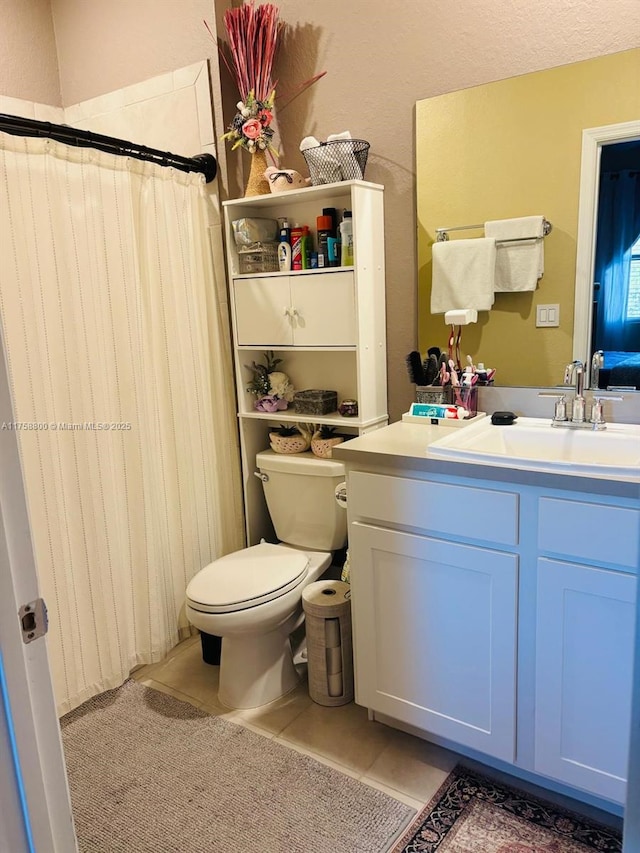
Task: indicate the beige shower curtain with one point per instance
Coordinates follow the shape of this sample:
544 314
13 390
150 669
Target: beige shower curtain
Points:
115 323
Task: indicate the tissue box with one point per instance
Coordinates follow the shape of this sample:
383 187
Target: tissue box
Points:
315 402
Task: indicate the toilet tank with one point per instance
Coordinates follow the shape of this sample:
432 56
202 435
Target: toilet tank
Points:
300 494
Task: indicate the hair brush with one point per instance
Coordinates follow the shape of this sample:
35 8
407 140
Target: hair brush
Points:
414 366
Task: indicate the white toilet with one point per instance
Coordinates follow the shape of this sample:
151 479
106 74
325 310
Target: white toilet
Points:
253 598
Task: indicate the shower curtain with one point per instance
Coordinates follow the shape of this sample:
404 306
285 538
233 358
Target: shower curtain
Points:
115 320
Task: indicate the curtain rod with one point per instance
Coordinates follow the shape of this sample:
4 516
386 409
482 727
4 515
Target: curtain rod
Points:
205 163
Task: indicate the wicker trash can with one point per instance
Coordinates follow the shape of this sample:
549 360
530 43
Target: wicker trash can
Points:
327 608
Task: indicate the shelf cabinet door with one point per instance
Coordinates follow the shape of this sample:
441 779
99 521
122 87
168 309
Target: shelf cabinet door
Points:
435 635
584 673
325 310
262 311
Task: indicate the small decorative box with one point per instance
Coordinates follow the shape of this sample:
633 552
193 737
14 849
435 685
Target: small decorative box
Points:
314 401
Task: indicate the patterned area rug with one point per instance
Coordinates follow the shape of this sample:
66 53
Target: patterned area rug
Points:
473 814
151 774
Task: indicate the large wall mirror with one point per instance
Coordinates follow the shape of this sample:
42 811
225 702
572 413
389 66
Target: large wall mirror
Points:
513 148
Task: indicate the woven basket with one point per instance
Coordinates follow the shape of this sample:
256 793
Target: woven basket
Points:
323 447
288 443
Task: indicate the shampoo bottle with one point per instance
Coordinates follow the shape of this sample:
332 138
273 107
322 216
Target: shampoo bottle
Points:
284 255
284 247
346 238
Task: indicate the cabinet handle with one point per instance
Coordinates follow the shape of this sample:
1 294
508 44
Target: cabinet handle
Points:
285 311
293 312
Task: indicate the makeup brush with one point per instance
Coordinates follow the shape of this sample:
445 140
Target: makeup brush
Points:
414 366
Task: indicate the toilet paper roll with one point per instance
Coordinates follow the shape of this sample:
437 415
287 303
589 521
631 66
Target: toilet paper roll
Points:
335 684
326 598
334 661
332 633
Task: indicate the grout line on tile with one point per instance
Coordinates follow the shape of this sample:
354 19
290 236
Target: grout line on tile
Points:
318 756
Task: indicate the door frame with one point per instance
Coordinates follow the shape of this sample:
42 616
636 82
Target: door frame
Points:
36 777
593 138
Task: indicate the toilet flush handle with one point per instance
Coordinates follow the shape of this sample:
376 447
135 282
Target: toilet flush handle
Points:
261 476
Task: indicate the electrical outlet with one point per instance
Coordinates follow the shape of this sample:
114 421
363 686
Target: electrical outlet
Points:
547 316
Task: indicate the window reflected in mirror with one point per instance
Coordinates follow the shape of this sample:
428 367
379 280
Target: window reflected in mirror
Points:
615 326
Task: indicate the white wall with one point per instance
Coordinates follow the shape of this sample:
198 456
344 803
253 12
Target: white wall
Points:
28 59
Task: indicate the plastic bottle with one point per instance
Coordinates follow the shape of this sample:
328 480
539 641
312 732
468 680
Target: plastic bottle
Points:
324 224
333 249
284 254
297 233
306 248
346 238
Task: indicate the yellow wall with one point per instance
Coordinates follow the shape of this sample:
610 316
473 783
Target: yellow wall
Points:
506 149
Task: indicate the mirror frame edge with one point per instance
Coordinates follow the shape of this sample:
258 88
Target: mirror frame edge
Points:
593 139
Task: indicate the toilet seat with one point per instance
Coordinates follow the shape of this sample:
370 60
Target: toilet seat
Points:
247 578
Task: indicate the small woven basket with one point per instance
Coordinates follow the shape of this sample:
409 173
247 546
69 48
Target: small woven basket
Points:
288 443
338 160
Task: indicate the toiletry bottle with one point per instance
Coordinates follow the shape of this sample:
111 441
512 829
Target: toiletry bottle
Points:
333 213
284 252
306 248
324 232
333 251
346 237
297 233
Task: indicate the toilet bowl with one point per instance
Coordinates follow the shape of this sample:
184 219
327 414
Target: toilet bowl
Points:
253 598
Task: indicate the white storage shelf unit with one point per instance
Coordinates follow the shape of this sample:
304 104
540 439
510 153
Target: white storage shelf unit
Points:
327 325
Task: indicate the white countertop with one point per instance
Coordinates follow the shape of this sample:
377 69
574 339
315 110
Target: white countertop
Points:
401 448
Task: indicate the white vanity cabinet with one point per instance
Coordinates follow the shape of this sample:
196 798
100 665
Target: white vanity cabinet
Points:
435 620
499 617
584 642
326 325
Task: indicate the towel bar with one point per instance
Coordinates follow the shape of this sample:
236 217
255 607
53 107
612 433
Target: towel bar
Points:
442 233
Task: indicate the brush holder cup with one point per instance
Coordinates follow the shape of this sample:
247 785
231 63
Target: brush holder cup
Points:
434 395
338 160
467 397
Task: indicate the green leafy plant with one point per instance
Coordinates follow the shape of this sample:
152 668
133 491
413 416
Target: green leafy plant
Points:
325 432
286 430
260 384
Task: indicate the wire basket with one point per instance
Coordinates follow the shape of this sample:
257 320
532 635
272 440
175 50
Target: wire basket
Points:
339 160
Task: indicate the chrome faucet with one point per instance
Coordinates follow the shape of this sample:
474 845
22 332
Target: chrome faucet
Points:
597 362
574 372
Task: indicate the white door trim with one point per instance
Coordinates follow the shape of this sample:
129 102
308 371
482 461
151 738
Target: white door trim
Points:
593 138
26 666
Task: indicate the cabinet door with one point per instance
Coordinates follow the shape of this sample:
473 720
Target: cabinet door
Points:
435 635
325 310
584 669
262 311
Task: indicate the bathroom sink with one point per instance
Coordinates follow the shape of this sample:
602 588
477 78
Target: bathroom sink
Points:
534 445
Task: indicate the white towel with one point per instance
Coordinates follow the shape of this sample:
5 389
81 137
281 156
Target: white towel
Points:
518 265
463 275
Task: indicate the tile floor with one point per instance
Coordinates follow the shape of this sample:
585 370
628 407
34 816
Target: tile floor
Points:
403 766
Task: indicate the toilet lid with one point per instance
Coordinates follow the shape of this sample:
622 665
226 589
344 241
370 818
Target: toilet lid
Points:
247 578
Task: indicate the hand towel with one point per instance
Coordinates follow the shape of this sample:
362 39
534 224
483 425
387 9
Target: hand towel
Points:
518 265
463 275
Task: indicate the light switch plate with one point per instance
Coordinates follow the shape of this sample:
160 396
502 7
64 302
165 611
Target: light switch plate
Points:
547 316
